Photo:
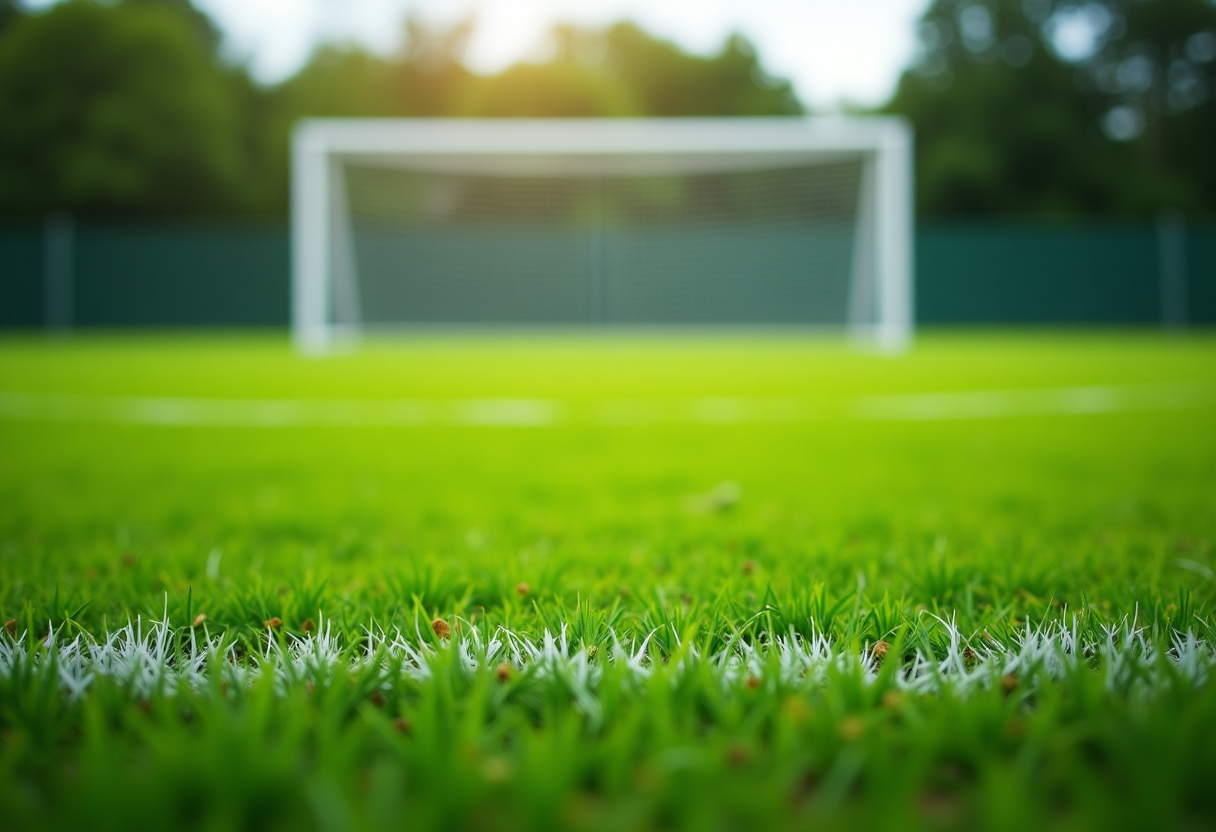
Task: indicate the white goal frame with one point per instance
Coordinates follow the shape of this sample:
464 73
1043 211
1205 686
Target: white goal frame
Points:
322 265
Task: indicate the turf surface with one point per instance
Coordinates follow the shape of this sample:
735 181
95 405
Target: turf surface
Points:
722 494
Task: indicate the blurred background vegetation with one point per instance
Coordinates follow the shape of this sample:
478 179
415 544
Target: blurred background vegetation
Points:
1021 107
129 108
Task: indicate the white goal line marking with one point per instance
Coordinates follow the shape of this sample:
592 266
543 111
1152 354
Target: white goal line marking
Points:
533 412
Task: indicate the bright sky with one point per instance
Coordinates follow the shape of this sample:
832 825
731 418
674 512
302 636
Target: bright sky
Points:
833 50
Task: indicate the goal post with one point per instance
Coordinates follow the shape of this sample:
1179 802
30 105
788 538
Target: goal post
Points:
803 222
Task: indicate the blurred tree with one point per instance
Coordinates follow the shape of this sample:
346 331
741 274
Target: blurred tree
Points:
619 71
1000 126
204 28
10 10
666 81
116 109
128 107
555 89
624 71
1152 68
340 81
1055 107
427 78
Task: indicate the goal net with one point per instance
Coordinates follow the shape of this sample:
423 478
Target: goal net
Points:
604 223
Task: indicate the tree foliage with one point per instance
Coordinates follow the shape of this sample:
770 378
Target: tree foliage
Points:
666 81
115 109
1027 107
10 11
619 71
128 107
1063 107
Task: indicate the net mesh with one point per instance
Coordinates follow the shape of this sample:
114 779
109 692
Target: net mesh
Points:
771 245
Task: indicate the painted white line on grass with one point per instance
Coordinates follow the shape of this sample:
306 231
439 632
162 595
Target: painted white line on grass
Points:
1049 401
721 410
271 413
516 412
536 412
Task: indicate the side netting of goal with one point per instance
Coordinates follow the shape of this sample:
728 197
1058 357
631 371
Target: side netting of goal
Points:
757 222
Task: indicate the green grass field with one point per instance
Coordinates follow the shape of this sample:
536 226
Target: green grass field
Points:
686 583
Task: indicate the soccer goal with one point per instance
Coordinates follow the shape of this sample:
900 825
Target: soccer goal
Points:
663 223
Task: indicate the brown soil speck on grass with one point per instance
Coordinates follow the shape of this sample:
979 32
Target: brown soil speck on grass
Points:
273 623
522 588
1009 683
10 627
376 697
851 728
942 807
796 710
753 682
442 629
199 619
308 626
402 725
749 567
503 672
879 651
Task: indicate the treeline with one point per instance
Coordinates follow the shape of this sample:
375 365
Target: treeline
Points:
129 109
1021 107
1064 107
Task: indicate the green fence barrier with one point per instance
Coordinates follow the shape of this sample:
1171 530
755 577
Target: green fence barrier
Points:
224 275
145 275
1201 263
21 276
1010 274
1091 273
236 274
